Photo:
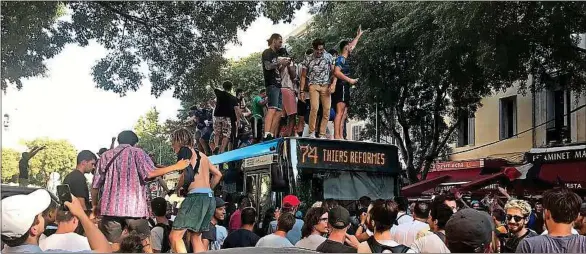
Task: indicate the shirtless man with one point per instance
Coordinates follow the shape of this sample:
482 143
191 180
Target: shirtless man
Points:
198 207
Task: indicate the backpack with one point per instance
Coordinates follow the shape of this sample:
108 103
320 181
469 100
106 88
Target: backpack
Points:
441 236
397 220
376 247
190 172
165 245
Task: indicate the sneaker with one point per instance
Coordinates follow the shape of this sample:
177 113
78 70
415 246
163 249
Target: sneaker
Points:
312 135
268 137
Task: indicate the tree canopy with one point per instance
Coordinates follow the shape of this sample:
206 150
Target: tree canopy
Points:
426 62
58 156
153 138
181 42
10 158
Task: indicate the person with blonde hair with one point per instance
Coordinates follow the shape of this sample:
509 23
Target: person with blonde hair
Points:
517 217
199 205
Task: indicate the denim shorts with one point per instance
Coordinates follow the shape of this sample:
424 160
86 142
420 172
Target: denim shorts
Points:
275 98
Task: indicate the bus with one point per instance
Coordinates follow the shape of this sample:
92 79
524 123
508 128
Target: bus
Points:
315 170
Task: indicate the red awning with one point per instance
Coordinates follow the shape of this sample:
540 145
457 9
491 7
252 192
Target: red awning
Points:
460 175
417 188
481 182
573 174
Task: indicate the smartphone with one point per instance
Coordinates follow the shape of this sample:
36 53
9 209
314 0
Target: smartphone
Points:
64 194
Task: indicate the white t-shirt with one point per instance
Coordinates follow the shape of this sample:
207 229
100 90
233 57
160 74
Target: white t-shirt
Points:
311 242
364 248
274 241
403 218
406 233
429 243
67 241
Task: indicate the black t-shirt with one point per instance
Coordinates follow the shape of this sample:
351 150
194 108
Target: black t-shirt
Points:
511 243
272 77
78 186
330 246
240 238
23 169
225 104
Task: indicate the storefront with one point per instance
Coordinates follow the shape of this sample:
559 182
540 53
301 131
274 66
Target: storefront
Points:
565 164
443 176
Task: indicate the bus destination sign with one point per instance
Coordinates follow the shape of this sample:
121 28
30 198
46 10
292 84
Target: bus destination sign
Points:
359 156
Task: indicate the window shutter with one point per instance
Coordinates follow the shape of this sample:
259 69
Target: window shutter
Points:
471 130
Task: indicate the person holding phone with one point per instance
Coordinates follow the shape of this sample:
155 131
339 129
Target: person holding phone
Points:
23 223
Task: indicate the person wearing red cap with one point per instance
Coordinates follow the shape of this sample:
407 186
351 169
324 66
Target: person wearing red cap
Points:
290 205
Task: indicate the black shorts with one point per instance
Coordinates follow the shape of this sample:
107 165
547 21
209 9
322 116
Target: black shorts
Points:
342 94
301 108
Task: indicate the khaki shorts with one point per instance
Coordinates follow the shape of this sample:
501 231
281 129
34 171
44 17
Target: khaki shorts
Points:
222 126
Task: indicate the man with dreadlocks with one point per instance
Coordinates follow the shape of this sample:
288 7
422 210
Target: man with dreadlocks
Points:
199 205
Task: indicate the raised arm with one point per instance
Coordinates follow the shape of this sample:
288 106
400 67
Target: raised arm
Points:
112 144
353 43
35 150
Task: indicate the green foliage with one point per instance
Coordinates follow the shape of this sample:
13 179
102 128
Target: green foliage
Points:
182 42
10 158
424 62
153 138
58 156
29 38
247 74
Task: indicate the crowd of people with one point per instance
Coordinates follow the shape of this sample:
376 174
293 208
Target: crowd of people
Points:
300 98
119 214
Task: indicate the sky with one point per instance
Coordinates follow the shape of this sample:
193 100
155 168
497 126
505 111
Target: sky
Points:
65 104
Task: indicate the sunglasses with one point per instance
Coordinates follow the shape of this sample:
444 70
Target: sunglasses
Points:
515 217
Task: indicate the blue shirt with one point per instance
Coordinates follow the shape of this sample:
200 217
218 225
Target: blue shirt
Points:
343 64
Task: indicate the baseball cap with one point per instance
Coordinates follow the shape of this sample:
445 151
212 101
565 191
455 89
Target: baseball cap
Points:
291 200
583 209
220 202
339 217
19 212
470 227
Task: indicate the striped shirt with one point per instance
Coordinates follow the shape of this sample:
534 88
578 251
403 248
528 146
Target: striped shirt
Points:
123 189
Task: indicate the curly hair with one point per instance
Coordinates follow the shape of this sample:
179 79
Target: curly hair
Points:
522 205
311 219
182 137
131 244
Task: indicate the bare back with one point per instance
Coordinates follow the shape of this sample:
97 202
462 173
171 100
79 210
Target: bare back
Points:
202 178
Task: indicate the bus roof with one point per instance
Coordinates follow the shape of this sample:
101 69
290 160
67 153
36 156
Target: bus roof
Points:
255 150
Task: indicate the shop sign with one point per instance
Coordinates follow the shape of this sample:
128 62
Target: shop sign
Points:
559 156
455 165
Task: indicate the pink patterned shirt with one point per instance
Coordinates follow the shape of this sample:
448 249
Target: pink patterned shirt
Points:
123 188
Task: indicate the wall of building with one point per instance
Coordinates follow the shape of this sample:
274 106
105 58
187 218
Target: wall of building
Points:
487 129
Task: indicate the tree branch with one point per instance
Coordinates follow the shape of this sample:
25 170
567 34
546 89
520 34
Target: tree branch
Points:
140 21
